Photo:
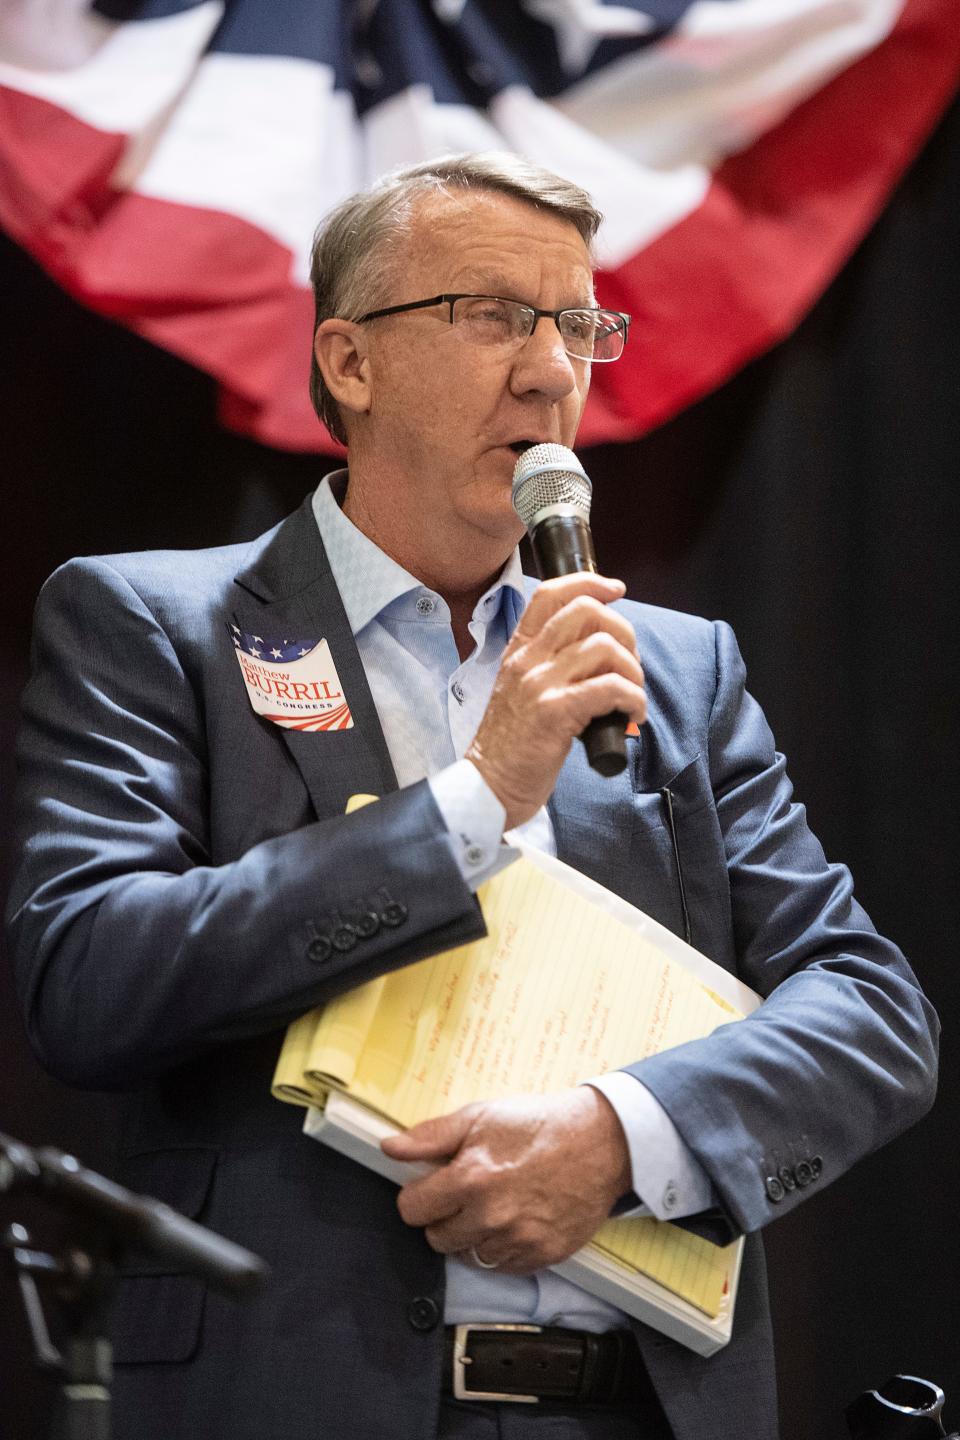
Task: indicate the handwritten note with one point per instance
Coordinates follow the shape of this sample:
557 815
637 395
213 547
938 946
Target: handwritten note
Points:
558 991
554 994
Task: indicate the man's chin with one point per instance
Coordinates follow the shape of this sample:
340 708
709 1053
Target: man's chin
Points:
492 540
486 506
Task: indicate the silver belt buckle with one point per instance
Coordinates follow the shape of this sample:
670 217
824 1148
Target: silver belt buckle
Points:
461 1360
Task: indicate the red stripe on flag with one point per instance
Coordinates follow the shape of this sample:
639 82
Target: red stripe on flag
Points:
54 173
227 305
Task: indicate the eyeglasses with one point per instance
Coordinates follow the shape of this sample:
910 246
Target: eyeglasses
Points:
489 321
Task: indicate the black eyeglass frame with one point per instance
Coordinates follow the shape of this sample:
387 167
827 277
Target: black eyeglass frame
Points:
534 310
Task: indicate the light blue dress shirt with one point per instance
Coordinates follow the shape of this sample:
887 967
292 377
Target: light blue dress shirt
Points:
430 703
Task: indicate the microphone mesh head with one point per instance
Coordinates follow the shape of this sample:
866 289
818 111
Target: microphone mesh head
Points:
548 475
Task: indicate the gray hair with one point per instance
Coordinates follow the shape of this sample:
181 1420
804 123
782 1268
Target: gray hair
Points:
350 263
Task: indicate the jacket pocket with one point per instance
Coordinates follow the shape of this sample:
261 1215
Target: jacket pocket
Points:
678 852
159 1308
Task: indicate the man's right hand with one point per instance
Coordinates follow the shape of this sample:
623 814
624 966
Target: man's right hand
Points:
570 658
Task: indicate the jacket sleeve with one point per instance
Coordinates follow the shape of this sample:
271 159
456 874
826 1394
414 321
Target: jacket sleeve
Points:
133 951
842 1054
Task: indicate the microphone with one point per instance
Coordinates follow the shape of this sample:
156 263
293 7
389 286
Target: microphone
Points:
551 494
138 1220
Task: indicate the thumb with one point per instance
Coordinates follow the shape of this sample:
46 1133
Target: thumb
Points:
436 1139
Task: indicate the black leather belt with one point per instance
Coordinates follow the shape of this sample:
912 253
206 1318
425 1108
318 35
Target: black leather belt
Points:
528 1363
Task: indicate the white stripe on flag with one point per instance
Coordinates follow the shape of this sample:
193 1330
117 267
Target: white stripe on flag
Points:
262 137
411 126
638 204
130 75
726 75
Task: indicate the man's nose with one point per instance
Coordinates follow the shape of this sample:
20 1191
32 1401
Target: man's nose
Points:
542 363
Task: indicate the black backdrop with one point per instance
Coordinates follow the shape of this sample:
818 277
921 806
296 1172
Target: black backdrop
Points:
811 502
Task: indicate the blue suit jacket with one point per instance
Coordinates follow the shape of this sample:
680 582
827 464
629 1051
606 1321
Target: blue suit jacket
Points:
180 857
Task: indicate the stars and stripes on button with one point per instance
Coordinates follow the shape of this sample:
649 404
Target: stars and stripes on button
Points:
291 681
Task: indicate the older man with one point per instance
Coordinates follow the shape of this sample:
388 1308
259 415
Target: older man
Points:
190 883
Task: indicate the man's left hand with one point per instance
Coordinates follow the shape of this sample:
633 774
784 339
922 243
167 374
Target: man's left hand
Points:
523 1182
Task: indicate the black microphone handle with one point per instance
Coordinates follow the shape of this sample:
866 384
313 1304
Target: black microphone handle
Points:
563 545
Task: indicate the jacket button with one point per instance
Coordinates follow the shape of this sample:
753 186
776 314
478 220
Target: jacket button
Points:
393 914
423 1313
774 1189
367 924
816 1166
804 1173
319 949
787 1178
344 937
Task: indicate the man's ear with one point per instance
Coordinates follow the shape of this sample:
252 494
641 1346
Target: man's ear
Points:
341 356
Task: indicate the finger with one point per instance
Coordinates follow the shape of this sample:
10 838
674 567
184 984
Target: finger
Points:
552 595
600 695
521 1261
584 615
430 1200
500 1252
436 1139
465 1239
485 1256
597 654
457 1234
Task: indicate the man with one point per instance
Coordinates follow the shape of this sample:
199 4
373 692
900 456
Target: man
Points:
190 882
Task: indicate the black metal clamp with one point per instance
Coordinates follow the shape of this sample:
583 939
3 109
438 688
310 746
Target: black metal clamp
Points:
105 1221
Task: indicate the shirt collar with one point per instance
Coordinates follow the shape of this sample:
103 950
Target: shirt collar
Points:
369 581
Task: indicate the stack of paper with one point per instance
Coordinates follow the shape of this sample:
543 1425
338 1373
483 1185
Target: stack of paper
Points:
570 982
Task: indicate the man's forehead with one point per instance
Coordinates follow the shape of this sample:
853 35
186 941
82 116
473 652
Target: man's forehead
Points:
455 207
486 236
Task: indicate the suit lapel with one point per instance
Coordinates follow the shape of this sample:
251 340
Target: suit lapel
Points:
289 590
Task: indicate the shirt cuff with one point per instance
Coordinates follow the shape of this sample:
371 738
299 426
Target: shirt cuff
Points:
475 819
667 1178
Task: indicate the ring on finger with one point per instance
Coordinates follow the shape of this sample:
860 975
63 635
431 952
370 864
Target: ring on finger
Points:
478 1259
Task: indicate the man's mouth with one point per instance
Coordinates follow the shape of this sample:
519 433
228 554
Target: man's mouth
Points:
518 446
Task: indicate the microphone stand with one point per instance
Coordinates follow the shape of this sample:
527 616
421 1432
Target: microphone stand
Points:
85 1282
106 1221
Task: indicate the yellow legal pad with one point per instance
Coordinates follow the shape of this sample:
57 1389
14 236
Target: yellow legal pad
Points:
557 992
